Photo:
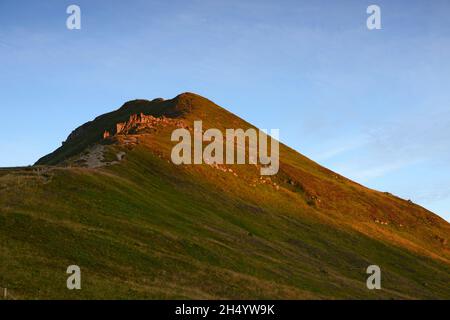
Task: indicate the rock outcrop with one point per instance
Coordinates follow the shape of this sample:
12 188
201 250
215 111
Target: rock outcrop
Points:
141 122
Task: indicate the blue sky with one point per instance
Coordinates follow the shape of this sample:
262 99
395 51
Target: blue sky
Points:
371 105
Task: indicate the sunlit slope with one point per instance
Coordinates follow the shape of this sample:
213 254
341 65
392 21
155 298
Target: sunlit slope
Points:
145 228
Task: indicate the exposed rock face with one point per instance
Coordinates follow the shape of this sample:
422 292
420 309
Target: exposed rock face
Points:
106 134
141 121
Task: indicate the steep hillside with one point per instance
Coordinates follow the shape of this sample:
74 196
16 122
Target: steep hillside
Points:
111 201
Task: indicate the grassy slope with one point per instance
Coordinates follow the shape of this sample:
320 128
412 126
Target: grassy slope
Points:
147 229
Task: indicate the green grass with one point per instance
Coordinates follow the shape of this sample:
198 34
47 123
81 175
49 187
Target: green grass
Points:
136 235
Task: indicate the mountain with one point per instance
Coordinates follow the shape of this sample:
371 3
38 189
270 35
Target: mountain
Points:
111 201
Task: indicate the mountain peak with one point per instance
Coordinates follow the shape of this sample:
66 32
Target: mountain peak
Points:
93 131
118 170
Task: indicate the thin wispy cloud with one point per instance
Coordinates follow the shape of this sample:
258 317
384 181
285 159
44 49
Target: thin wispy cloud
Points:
366 174
339 148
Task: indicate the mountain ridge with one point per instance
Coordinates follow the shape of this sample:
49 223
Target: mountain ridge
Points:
155 107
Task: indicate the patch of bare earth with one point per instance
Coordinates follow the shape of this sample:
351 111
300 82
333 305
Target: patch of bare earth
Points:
93 158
